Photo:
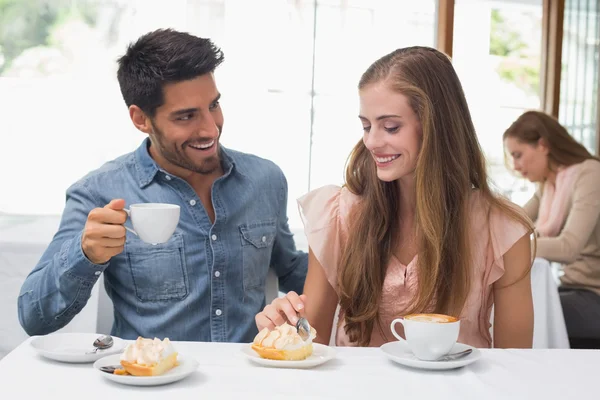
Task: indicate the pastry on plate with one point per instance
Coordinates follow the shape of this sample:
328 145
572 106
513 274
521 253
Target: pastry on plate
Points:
283 343
149 357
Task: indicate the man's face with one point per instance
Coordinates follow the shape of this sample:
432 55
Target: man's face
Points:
185 130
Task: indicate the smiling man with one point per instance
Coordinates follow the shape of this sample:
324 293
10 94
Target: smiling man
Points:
208 281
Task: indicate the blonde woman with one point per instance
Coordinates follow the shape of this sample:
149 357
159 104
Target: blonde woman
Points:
416 227
566 211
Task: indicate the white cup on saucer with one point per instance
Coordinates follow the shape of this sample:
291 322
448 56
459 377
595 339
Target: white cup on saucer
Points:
153 222
429 336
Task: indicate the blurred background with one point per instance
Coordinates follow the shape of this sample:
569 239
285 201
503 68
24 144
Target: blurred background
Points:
296 62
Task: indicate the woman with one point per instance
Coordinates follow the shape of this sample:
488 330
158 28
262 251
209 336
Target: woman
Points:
416 227
566 209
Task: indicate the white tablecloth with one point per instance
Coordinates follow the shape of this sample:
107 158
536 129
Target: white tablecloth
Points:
363 373
550 331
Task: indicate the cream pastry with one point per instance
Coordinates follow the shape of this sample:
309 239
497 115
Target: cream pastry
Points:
149 357
283 343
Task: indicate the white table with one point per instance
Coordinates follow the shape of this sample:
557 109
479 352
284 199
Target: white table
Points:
550 331
362 373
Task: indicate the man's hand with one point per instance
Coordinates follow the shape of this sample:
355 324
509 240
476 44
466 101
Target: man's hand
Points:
104 233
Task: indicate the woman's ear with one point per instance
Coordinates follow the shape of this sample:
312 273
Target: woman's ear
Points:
542 145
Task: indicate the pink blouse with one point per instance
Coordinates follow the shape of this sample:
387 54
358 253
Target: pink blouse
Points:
325 215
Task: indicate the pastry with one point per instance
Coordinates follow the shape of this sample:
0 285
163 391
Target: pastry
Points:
149 357
283 343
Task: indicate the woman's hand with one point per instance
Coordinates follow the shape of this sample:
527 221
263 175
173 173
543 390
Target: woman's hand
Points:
281 310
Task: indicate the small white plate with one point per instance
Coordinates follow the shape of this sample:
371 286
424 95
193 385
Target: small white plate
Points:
321 354
186 367
74 347
400 353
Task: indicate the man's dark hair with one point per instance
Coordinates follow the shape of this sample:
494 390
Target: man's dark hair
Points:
159 57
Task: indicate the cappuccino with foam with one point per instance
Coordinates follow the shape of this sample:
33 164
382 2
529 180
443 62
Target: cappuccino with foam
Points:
435 318
429 336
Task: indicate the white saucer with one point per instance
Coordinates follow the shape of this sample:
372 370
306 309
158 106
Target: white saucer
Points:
186 367
74 347
400 353
321 354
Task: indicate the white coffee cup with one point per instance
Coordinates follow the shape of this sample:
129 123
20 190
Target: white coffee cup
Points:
429 336
153 222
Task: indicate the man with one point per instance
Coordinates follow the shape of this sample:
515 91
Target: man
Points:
208 281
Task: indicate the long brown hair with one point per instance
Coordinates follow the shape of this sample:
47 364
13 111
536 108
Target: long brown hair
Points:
564 150
450 165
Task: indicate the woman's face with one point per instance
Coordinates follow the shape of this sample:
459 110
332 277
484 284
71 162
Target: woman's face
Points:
392 131
530 160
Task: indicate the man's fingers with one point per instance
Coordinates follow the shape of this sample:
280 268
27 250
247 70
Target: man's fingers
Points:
116 204
107 216
112 243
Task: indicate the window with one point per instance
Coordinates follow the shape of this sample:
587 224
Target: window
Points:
350 35
288 83
579 76
497 55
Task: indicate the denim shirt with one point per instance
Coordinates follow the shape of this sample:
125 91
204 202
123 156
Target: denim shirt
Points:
205 284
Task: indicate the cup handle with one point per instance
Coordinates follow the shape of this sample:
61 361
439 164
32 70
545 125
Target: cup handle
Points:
129 216
392 327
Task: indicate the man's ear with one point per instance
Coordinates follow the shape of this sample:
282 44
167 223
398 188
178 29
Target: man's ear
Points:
140 119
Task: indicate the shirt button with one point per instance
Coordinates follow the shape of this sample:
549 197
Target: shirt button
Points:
217 274
218 312
214 237
168 177
192 202
264 239
98 273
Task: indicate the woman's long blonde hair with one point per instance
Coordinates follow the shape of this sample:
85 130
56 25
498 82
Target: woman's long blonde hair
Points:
449 167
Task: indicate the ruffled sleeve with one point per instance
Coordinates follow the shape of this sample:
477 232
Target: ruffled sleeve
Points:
504 233
324 212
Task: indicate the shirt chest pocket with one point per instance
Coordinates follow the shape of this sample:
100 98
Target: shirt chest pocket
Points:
257 245
158 271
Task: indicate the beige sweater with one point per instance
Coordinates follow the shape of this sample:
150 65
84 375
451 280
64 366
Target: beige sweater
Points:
578 244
